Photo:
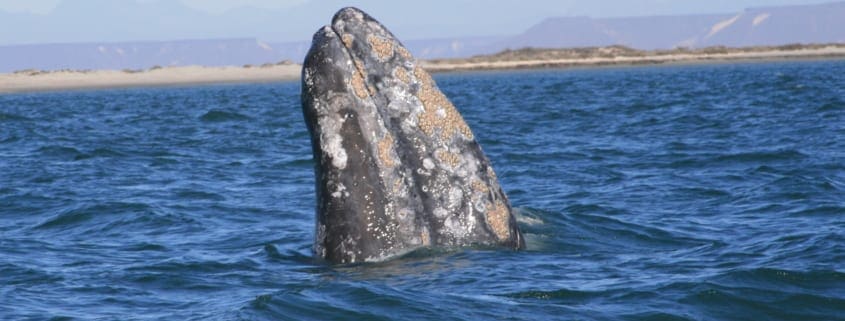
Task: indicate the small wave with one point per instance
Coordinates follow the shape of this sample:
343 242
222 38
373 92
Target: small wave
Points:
70 153
196 265
300 162
639 106
779 279
616 234
163 161
7 117
825 210
273 253
656 315
59 152
590 227
764 169
10 139
98 153
342 302
11 274
590 209
562 295
783 294
526 216
676 146
762 156
64 219
199 195
144 247
299 305
218 116
831 106
73 217
699 192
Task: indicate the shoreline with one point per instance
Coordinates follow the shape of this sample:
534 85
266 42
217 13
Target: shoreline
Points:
830 52
37 81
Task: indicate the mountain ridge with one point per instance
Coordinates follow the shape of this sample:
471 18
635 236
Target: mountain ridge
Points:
759 26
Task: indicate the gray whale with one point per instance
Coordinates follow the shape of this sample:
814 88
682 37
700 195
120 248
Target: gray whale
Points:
396 166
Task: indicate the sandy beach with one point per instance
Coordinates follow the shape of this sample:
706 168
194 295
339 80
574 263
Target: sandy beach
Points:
33 80
29 81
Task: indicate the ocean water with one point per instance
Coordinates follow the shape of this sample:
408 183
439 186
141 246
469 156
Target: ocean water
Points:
704 192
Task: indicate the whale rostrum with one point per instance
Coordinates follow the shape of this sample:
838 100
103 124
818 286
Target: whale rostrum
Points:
397 168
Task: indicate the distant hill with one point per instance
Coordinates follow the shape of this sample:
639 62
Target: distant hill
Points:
767 26
779 25
823 23
208 52
451 47
635 32
141 55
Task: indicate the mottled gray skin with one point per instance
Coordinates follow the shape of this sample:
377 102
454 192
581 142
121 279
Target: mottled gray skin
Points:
397 168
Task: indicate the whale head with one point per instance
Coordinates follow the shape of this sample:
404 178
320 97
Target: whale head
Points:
397 168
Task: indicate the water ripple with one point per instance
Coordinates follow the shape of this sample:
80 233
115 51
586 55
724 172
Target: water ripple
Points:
708 192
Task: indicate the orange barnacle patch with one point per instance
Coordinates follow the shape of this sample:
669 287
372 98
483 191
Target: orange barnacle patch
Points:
382 47
360 67
425 237
403 52
439 112
384 148
347 40
358 85
402 75
479 186
448 157
497 219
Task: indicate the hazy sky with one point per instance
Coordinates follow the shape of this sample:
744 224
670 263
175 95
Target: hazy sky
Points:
40 21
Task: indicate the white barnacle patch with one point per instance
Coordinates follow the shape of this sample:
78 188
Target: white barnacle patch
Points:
405 214
428 163
394 105
440 212
348 246
456 195
331 141
459 227
472 165
480 206
453 227
328 32
408 125
334 147
339 191
358 15
309 77
461 172
423 173
440 112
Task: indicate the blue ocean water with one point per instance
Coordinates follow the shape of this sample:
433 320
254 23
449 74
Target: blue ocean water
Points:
704 192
